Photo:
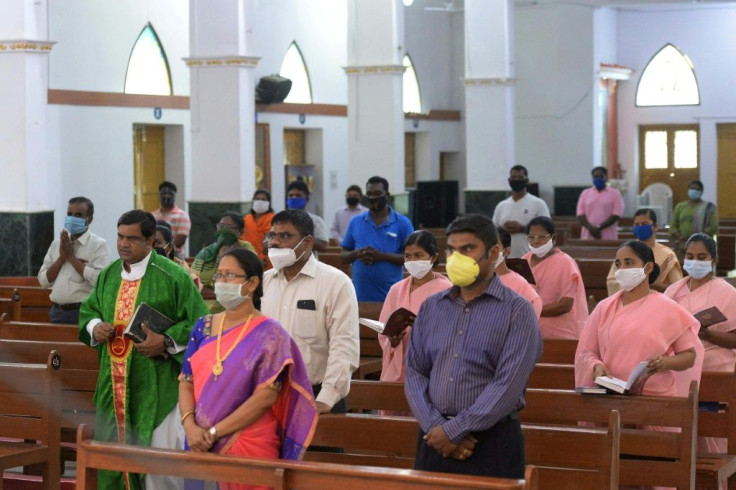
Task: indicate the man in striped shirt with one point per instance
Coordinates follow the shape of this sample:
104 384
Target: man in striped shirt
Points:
472 350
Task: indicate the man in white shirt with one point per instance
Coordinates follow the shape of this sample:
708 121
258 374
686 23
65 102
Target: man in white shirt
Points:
73 262
515 212
316 304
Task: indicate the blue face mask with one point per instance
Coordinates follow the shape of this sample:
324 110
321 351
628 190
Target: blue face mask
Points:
296 202
642 232
74 225
599 183
694 194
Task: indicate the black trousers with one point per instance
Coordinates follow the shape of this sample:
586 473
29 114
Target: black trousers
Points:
499 452
57 315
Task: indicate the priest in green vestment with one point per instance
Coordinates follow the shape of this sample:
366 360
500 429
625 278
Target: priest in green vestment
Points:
137 387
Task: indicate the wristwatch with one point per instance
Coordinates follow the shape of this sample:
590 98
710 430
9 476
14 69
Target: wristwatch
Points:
168 342
213 431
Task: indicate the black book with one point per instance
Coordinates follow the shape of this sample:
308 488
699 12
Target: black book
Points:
154 320
521 267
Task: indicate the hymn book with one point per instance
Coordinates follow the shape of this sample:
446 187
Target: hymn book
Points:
633 385
154 320
395 324
710 316
521 267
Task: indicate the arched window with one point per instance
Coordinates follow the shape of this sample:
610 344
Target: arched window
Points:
294 68
668 79
412 97
148 69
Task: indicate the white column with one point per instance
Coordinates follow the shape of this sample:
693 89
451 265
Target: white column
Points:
375 104
24 49
489 92
222 100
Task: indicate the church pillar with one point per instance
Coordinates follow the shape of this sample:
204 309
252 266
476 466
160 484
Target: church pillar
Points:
26 186
222 108
375 85
489 102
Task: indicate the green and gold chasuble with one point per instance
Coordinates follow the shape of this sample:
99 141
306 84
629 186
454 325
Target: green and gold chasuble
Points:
134 393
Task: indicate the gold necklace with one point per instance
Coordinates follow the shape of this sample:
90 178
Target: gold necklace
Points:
217 368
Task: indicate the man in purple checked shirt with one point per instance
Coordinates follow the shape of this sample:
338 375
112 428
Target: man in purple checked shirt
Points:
471 352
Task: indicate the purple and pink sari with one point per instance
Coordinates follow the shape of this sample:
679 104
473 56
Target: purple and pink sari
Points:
265 356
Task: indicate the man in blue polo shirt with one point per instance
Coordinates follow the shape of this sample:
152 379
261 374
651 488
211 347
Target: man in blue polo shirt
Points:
374 244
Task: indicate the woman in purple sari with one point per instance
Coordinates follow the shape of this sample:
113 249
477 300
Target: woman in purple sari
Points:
244 389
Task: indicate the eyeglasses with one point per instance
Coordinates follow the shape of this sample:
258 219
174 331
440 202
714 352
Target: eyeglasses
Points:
228 276
222 226
283 236
532 238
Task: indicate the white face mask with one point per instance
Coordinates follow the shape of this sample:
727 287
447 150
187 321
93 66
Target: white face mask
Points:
283 257
418 268
698 269
543 250
499 260
228 295
259 206
628 279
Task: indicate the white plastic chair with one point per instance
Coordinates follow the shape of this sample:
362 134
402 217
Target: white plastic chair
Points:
658 197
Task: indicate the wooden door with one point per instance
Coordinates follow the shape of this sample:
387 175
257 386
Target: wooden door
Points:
669 154
149 165
726 170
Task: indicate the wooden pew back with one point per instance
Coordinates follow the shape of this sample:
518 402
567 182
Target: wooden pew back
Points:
652 457
279 474
583 457
38 331
559 351
78 376
29 410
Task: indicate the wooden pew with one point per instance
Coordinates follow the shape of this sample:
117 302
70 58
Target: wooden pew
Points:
583 457
559 351
29 410
38 331
31 303
371 395
278 474
714 469
651 458
553 376
78 379
20 281
726 253
335 260
594 273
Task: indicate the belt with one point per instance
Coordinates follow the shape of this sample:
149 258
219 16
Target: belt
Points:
67 307
512 416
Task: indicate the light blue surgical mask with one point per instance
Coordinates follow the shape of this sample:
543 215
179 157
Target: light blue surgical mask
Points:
698 269
75 225
694 194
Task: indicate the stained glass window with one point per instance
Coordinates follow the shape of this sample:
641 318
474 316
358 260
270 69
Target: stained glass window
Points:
668 79
412 96
148 70
295 69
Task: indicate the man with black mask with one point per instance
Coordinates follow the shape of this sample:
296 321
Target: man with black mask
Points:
515 212
173 215
374 244
343 216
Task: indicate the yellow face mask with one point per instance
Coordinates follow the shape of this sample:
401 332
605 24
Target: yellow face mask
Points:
461 269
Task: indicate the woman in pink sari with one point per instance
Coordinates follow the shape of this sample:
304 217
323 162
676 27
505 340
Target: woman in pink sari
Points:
559 282
511 279
700 291
420 255
637 324
244 389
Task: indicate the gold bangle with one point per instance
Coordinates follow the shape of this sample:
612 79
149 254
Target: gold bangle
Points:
184 417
